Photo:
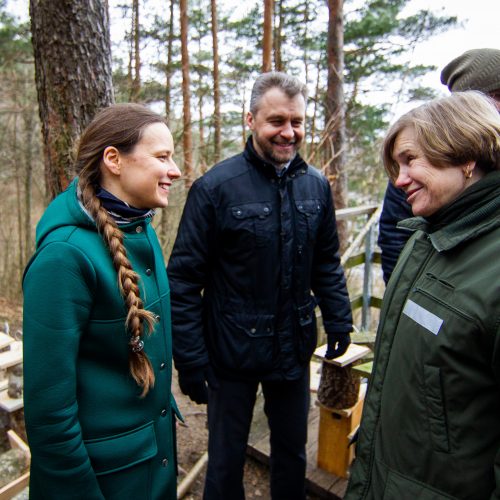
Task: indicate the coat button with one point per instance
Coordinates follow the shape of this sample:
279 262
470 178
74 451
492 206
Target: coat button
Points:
157 317
148 272
164 462
138 229
163 413
162 366
253 330
266 210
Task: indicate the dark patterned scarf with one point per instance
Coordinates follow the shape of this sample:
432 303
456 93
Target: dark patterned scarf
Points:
121 212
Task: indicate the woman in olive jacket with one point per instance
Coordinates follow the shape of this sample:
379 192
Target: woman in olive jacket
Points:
97 344
430 426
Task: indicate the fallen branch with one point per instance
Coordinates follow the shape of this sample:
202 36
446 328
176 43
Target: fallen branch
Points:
186 483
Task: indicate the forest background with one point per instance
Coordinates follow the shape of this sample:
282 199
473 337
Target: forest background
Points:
206 103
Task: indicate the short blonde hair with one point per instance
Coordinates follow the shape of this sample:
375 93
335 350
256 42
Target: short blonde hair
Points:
453 130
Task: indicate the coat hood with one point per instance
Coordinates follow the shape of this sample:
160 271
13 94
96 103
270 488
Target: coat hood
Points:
64 210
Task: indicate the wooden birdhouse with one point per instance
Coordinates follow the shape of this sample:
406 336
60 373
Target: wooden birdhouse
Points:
340 400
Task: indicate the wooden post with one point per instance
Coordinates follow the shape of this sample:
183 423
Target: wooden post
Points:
338 425
367 279
336 428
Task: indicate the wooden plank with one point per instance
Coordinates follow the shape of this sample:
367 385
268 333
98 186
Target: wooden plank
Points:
5 340
14 487
363 337
349 213
364 369
17 443
353 353
315 375
10 404
12 357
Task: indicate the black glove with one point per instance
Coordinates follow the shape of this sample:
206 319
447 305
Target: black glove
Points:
337 344
193 383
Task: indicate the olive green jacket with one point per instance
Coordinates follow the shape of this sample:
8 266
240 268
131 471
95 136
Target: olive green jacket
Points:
431 422
91 434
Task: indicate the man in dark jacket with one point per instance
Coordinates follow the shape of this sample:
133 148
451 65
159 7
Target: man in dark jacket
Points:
476 69
257 236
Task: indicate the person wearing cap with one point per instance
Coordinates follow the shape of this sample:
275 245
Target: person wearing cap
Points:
476 69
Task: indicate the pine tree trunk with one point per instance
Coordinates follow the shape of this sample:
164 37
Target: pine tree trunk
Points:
217 116
336 112
73 76
136 37
278 63
186 108
267 40
28 183
168 85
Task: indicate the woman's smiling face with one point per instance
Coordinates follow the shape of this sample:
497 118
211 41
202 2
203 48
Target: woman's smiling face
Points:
428 188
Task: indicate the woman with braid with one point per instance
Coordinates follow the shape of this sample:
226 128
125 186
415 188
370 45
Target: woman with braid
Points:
97 344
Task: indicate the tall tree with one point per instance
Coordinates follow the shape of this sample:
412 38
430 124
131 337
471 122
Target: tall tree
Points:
73 76
215 51
135 41
187 141
169 69
267 39
335 118
279 18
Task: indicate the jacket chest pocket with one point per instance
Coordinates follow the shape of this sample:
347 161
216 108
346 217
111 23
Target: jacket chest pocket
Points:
453 363
308 218
250 224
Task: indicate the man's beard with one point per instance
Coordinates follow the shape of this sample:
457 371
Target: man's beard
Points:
271 155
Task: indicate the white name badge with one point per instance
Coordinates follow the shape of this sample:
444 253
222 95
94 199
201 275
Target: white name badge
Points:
423 317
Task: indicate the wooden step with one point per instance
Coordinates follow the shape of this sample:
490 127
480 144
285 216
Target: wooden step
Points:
5 340
12 357
10 404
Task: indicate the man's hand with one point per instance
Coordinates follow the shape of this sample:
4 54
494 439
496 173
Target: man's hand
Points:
194 382
337 344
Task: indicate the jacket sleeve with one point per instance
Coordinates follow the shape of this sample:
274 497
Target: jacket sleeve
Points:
392 239
57 301
496 371
328 281
187 273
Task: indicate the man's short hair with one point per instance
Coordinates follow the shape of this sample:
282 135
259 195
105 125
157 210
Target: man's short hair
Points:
476 69
288 84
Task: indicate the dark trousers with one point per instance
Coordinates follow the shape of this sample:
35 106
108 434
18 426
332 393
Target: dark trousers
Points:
230 408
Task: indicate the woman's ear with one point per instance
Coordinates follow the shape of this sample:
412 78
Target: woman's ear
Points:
111 160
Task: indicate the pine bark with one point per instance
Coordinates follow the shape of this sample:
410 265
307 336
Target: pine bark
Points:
73 77
278 62
187 141
267 39
217 116
336 111
170 43
136 37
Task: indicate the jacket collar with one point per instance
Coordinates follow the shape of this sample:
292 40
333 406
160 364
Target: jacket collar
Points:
475 212
296 165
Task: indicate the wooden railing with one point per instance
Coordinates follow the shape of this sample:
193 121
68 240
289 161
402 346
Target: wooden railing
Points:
361 251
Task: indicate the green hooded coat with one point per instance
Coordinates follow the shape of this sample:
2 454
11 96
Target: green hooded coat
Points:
431 422
91 434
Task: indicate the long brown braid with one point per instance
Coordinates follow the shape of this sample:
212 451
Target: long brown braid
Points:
120 126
